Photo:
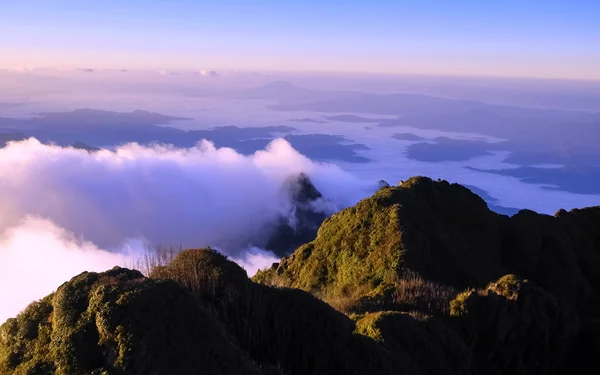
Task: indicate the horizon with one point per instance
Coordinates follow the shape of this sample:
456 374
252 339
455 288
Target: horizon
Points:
537 40
164 71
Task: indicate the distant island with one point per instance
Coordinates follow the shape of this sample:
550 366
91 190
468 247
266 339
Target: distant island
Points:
352 118
408 137
306 119
93 127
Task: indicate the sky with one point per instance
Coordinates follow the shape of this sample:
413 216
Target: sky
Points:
526 38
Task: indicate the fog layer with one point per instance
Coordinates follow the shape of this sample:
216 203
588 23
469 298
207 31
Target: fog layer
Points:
67 210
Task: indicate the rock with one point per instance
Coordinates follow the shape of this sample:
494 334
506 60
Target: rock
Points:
301 225
118 322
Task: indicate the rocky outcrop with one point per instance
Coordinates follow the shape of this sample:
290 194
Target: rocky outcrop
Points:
119 322
447 236
309 210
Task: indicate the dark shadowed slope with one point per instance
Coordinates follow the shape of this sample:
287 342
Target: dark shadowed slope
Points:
308 212
492 202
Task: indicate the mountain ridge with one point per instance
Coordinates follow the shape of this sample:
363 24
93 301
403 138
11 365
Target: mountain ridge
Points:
420 278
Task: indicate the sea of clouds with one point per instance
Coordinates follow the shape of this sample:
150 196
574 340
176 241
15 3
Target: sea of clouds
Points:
65 211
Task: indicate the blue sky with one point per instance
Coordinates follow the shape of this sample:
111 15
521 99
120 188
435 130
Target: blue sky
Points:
515 38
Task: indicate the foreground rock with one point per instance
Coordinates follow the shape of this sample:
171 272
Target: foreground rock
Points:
198 315
118 322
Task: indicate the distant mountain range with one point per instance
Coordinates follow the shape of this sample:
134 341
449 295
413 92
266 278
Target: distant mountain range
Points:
532 136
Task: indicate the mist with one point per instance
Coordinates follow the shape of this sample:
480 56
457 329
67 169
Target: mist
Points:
36 256
66 210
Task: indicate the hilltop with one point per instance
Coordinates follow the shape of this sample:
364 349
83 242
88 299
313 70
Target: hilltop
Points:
434 248
420 278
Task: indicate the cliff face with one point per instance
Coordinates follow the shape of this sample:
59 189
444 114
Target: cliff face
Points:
420 278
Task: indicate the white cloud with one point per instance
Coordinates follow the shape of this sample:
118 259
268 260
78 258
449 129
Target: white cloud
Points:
209 73
254 259
36 256
61 206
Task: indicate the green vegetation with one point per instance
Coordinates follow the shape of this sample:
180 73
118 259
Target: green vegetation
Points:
398 247
413 248
419 279
458 306
118 322
278 327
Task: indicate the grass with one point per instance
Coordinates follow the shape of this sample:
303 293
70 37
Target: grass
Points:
410 292
153 257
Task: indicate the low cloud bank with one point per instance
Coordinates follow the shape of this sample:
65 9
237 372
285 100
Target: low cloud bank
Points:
36 256
65 210
254 259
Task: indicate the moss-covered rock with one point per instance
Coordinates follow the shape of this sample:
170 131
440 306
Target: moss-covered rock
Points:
118 322
513 327
364 258
442 231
